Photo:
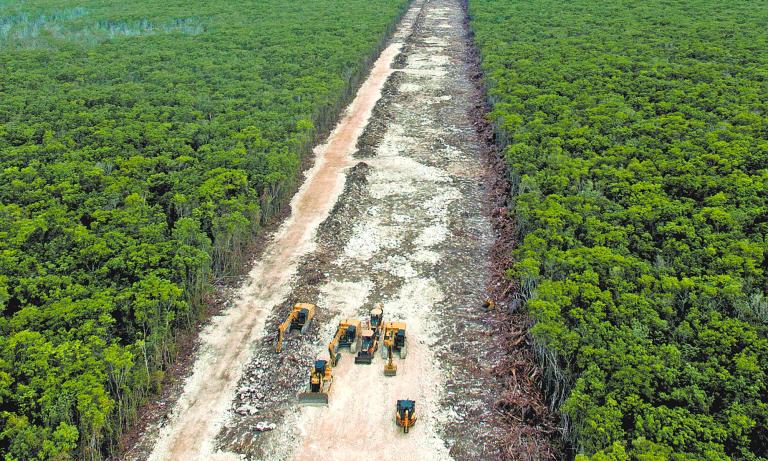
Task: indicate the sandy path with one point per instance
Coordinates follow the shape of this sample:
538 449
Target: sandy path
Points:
392 212
410 195
413 236
226 342
359 418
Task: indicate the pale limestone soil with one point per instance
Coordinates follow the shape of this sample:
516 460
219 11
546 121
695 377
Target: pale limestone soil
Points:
410 232
406 228
227 342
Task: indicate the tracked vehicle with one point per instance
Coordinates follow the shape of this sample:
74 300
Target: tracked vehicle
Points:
405 414
370 336
394 341
320 380
376 319
347 335
299 319
368 347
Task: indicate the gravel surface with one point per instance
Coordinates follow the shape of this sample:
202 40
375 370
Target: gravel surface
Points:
410 231
401 208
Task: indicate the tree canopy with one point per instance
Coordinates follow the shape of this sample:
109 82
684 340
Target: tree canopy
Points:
637 138
142 145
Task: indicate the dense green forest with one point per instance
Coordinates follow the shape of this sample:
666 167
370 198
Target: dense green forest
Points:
637 139
142 145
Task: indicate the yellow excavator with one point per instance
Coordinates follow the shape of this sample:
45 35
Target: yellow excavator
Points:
394 341
347 335
299 319
370 336
320 380
405 414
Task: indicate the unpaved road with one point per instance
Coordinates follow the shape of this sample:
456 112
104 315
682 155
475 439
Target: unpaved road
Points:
392 212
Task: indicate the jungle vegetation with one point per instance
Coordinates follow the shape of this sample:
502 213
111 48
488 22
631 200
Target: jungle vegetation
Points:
637 139
142 146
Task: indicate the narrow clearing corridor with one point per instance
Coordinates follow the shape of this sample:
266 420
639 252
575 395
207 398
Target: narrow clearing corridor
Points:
392 212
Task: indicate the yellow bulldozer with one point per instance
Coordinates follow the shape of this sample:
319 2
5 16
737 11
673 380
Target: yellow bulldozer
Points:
369 344
405 414
299 319
394 341
370 336
347 335
320 380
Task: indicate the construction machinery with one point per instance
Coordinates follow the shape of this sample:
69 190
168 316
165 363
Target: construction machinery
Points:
376 319
299 319
320 380
370 336
370 342
405 414
347 335
394 341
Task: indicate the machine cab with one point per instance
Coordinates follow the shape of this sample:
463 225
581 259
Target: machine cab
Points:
349 334
406 405
377 315
320 366
368 339
400 338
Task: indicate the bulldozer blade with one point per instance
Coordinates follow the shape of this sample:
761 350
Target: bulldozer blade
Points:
364 357
313 399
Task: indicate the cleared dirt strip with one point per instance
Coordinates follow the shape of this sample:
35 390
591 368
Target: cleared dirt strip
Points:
412 230
226 342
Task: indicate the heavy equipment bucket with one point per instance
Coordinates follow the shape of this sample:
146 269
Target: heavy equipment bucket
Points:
313 399
390 370
364 357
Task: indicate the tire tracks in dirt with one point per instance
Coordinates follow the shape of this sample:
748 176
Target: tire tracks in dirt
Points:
411 231
395 211
226 342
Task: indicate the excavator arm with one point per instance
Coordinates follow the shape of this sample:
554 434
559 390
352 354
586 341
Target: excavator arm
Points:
281 329
394 341
333 347
405 414
390 369
408 421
